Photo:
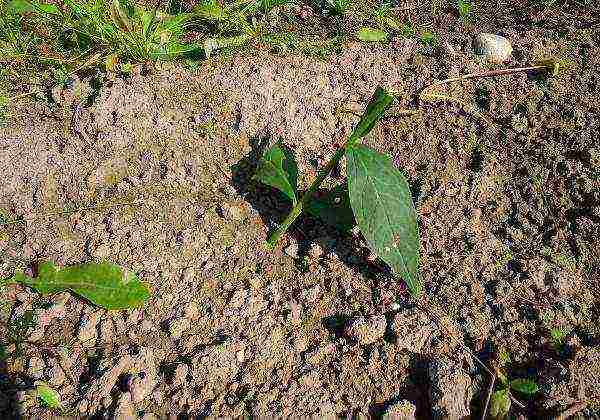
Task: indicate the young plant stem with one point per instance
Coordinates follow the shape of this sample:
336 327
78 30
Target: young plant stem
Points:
297 209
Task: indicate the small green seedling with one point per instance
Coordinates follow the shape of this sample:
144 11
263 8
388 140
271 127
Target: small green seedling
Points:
501 398
377 195
557 337
49 397
465 9
105 285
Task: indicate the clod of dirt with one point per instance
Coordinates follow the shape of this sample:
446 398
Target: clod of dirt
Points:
86 331
292 250
178 326
554 386
140 370
451 390
35 368
366 330
124 408
180 375
585 373
403 410
494 48
414 330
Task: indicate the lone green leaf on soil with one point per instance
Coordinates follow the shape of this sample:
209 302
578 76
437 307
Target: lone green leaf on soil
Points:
372 35
103 284
525 386
278 169
49 396
382 204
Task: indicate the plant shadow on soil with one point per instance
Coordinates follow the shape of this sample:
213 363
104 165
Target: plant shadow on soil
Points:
8 388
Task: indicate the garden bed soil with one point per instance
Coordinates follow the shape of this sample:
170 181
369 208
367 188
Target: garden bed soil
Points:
153 172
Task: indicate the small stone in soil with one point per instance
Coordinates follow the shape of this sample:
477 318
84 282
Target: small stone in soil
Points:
494 48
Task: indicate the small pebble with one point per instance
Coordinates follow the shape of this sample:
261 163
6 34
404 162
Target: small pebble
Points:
494 48
366 330
292 250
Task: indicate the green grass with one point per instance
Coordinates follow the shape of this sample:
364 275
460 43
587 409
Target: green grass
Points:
43 44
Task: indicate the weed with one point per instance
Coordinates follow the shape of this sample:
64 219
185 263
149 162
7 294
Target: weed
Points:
377 195
428 39
500 396
557 337
49 397
337 7
465 10
384 18
3 109
87 32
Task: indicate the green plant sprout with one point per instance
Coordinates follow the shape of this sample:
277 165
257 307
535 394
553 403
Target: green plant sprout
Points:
557 337
377 196
49 396
499 399
103 284
465 9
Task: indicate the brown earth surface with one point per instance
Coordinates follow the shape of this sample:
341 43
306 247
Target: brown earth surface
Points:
153 172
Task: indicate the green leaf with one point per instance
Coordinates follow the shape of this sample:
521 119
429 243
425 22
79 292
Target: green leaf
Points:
502 377
525 386
372 35
103 284
499 403
379 103
49 396
382 204
278 169
333 207
48 8
20 7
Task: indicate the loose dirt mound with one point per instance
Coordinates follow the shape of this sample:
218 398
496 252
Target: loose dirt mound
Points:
153 172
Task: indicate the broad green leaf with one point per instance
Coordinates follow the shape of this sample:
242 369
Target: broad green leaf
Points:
20 7
499 403
278 169
48 8
333 207
49 396
103 284
379 103
384 211
525 386
372 35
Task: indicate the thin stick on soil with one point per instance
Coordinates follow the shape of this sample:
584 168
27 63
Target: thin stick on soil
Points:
489 396
547 65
